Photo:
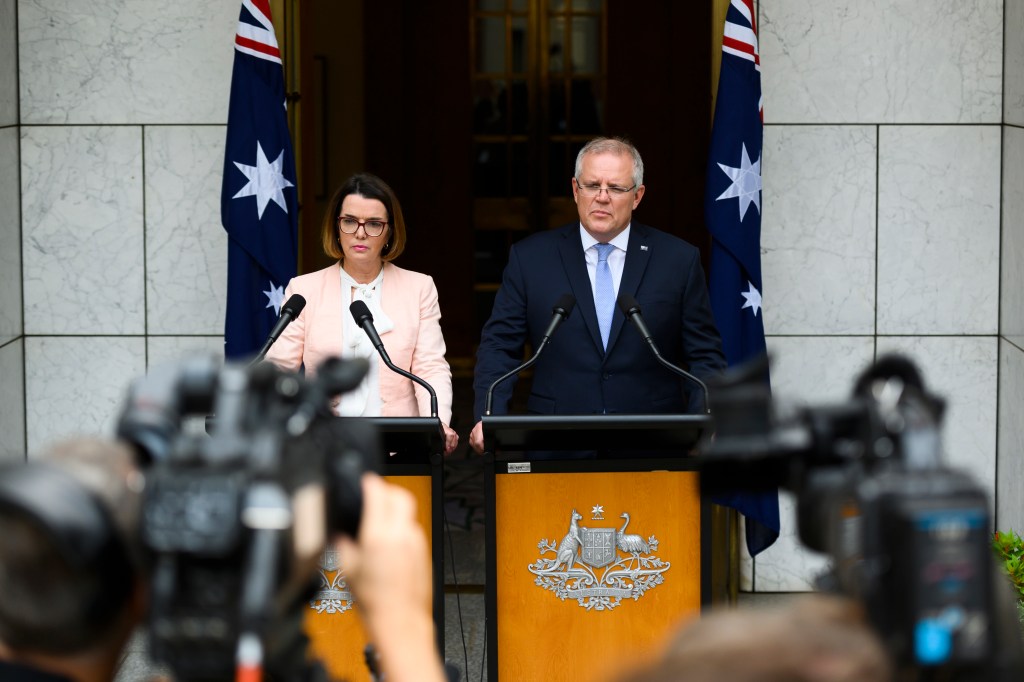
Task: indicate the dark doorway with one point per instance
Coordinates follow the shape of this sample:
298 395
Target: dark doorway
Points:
473 111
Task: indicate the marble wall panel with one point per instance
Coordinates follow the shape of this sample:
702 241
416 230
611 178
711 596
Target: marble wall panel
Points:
1010 472
962 370
162 350
186 246
125 61
1011 300
8 64
881 61
77 385
938 229
805 371
12 401
1013 60
82 230
11 324
818 230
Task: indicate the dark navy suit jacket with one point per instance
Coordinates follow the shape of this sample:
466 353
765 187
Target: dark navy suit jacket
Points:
574 374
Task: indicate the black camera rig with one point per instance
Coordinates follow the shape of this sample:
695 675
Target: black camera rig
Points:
907 536
235 520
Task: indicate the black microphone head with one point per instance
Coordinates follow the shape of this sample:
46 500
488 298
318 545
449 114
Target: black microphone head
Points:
564 305
338 376
360 312
627 304
294 305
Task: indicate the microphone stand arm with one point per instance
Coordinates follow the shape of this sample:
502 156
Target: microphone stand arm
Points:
529 363
679 371
408 375
263 351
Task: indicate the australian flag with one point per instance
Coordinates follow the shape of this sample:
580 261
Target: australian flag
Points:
259 206
732 208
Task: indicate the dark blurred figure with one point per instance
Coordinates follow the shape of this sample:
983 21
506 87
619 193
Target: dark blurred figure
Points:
73 575
817 638
64 515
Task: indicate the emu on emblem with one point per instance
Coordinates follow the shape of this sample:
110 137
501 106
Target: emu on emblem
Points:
598 546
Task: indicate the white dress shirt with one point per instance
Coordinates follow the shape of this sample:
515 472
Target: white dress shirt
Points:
616 259
364 400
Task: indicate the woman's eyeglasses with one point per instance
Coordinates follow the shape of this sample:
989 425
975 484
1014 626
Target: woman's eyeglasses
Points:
373 228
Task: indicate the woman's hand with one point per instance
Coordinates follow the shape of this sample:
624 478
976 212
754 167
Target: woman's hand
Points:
451 439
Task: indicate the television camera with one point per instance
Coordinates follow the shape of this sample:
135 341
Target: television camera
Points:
907 536
235 521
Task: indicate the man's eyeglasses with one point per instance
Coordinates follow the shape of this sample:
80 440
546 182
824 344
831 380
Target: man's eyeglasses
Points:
373 228
594 190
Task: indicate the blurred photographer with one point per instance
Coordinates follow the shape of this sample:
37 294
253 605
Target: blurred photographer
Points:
69 563
73 579
816 638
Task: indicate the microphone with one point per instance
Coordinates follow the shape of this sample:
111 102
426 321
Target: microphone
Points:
289 311
631 310
364 318
563 307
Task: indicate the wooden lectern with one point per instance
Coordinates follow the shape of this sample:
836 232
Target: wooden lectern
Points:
413 449
590 562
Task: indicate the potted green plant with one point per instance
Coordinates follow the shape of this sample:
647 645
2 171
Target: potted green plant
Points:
1009 549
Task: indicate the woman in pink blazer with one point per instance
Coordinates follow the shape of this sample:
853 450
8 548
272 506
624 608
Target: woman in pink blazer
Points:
363 228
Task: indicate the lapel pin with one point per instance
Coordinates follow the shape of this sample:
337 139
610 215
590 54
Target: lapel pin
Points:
643 247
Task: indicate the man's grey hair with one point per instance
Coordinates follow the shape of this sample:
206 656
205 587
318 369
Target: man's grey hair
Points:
612 145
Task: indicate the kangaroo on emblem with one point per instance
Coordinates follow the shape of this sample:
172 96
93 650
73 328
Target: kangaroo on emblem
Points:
567 548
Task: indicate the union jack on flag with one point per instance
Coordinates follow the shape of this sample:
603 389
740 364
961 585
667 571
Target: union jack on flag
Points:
259 206
732 209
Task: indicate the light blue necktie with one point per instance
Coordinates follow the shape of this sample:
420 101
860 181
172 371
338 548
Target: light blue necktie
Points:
604 292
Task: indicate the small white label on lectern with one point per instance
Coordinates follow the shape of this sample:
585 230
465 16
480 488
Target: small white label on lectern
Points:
518 467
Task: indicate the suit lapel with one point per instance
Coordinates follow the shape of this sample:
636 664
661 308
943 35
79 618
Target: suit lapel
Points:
575 264
637 256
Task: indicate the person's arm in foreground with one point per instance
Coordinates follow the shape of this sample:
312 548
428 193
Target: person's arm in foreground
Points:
388 569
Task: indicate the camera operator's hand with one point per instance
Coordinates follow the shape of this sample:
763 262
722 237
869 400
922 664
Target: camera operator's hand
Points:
389 570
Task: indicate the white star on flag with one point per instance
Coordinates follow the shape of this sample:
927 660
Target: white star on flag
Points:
265 181
753 297
275 296
746 183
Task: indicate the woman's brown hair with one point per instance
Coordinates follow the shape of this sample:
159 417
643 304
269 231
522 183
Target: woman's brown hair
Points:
368 186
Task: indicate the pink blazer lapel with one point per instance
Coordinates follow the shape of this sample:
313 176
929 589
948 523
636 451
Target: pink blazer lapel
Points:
393 303
330 298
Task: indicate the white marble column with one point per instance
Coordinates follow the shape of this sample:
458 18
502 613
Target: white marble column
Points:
12 328
1010 498
880 230
123 108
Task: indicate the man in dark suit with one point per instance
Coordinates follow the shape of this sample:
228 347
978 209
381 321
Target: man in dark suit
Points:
591 364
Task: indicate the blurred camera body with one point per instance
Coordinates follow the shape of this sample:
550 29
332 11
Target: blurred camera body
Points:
914 547
236 519
907 536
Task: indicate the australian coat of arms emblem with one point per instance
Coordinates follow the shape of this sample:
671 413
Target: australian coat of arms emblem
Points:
598 567
333 595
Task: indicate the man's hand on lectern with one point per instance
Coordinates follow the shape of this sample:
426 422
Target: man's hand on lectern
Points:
476 438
